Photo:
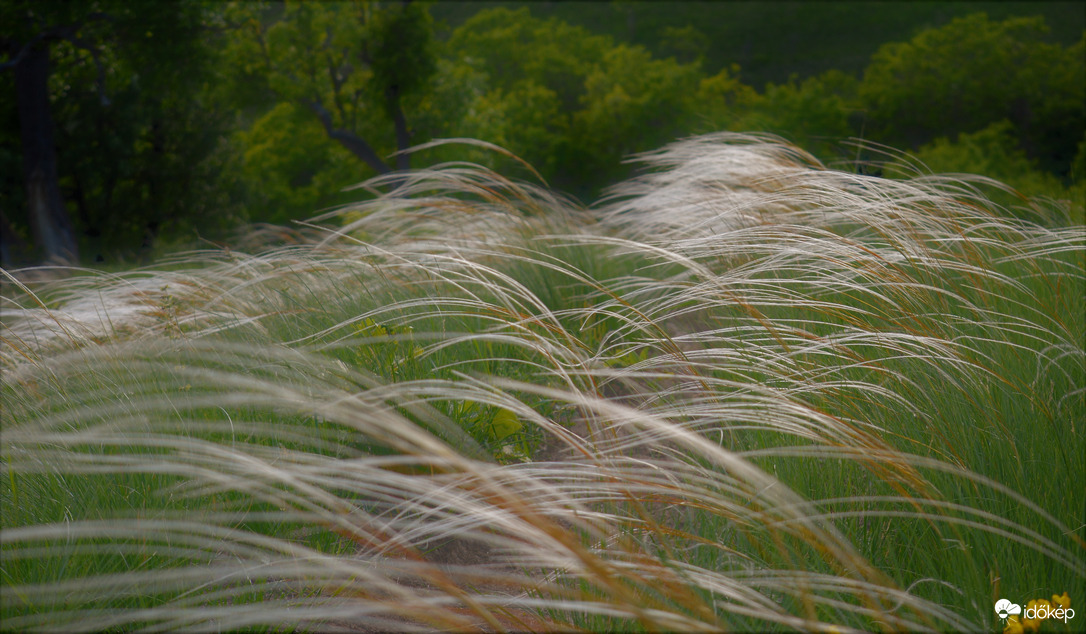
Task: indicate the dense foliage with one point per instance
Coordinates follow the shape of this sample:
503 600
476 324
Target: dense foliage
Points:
136 133
180 119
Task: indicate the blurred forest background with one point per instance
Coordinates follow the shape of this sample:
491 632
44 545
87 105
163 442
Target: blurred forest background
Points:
130 128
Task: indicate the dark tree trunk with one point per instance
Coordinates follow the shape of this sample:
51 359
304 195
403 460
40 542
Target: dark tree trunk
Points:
49 222
13 250
403 135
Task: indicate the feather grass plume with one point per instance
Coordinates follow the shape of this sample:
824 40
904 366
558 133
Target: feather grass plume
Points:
747 392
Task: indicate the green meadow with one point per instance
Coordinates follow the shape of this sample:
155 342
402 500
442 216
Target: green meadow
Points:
744 391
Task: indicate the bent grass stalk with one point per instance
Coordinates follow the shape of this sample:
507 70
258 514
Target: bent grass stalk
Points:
748 392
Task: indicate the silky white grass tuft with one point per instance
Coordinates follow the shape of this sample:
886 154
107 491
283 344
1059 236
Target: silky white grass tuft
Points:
748 392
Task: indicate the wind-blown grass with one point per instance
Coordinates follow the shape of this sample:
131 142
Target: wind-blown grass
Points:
747 392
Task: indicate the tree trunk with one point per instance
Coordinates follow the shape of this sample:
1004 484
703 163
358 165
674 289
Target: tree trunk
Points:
13 250
403 135
49 222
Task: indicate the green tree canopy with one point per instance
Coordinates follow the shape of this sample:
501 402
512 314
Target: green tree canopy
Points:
571 103
359 67
817 113
122 106
994 152
972 73
292 167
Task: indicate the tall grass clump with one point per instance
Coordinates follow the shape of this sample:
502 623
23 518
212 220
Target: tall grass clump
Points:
744 392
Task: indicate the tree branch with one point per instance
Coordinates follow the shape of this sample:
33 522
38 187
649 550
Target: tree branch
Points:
57 32
355 144
51 33
79 42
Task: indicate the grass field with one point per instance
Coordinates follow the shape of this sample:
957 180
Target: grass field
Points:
744 392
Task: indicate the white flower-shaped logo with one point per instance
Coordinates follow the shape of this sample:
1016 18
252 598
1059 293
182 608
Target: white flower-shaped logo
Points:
1005 608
